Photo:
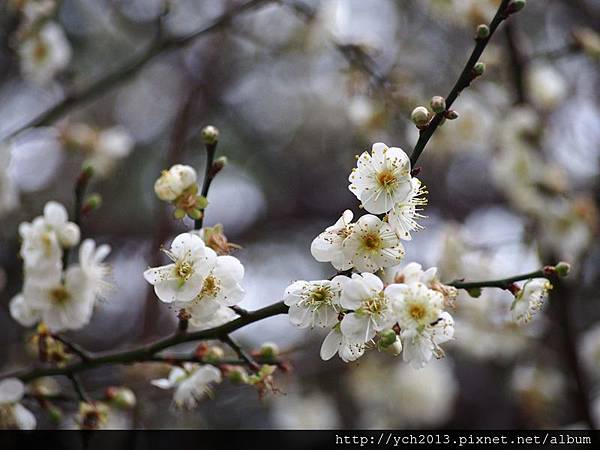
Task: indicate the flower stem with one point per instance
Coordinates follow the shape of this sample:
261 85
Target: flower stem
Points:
503 283
464 80
211 149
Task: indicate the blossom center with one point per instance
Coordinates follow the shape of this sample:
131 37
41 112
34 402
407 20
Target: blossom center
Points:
417 312
371 241
210 287
184 270
375 305
386 179
319 296
40 52
59 295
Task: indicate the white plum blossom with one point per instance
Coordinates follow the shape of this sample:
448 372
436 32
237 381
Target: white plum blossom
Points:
327 246
91 260
217 318
416 306
13 415
183 279
314 303
404 214
191 383
381 178
22 312
63 306
421 346
41 252
530 299
373 245
57 219
45 53
413 273
336 342
174 181
364 294
220 288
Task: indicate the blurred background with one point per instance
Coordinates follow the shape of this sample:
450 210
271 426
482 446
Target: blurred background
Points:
297 89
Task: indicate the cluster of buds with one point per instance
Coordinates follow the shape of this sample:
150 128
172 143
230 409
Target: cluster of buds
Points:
48 348
178 186
421 115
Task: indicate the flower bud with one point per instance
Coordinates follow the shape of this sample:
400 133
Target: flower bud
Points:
91 203
214 354
269 350
474 292
218 165
121 397
438 104
186 174
167 187
483 32
515 6
478 69
54 414
210 135
562 269
420 116
387 337
396 348
451 115
69 235
237 374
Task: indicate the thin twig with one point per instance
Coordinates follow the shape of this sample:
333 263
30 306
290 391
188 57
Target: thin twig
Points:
74 348
504 283
78 386
227 339
211 149
464 80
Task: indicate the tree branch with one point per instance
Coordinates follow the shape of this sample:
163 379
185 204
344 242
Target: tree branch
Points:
504 283
148 352
464 80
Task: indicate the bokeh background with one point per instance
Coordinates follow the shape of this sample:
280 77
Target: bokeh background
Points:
297 89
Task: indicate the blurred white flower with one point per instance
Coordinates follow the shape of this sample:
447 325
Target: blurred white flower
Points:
112 144
546 86
372 305
220 288
327 246
305 411
63 306
382 178
191 383
13 415
530 299
590 349
57 219
373 245
174 181
538 386
44 54
413 273
22 312
9 195
314 303
182 280
404 214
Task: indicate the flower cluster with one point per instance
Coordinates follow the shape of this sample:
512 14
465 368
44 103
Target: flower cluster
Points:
62 297
382 181
178 186
407 316
530 299
198 280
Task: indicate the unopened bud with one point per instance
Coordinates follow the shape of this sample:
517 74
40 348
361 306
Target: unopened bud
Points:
515 6
478 69
474 292
562 269
91 203
121 397
420 116
214 354
451 115
483 32
387 338
218 165
269 350
438 104
210 135
396 348
237 374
